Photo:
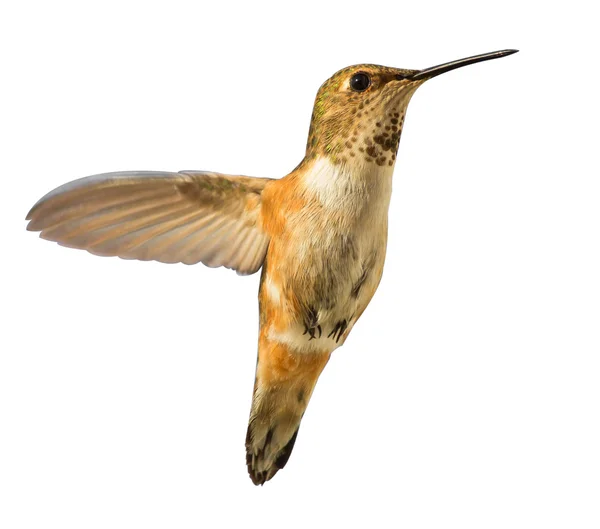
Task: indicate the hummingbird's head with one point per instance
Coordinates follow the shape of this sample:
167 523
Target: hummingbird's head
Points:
359 111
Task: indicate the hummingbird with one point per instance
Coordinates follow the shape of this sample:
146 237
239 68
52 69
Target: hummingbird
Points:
319 234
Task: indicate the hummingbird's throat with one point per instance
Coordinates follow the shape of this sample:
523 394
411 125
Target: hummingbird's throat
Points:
364 131
373 139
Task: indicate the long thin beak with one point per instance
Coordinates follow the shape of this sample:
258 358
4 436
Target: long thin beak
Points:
428 73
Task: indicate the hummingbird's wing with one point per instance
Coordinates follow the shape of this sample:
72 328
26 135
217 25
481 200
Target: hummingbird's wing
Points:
186 217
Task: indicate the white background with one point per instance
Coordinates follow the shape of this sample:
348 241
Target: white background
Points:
467 396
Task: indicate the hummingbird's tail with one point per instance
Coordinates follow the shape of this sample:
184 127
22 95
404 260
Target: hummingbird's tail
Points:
284 384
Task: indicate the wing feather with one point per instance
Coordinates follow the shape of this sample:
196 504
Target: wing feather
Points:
252 254
179 241
213 238
186 217
116 242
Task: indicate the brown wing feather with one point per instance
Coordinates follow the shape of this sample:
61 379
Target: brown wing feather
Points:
186 217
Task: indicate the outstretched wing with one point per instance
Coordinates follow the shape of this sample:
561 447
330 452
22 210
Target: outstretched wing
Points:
186 217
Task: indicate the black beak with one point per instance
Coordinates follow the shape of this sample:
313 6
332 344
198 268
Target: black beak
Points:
428 73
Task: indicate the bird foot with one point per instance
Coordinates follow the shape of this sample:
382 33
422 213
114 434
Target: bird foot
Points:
311 325
338 330
312 331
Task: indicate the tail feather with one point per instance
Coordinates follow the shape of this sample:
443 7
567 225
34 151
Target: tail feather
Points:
265 462
278 405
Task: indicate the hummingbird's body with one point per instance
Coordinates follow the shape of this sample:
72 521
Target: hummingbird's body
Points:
324 263
327 249
319 234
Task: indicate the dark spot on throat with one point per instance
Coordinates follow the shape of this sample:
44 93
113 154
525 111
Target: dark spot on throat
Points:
372 151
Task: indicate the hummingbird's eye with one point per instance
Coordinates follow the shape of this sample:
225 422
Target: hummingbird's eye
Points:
359 82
